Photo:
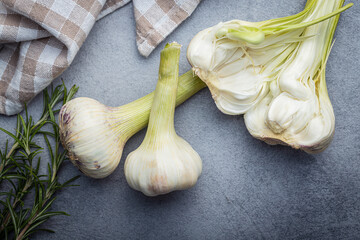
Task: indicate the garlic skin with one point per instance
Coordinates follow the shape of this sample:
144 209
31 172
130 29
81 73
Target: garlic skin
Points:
164 162
273 72
86 128
94 135
173 165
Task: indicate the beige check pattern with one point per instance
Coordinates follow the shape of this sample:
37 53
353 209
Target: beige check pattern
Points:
40 38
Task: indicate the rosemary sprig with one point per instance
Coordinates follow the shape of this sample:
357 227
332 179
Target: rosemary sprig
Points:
19 167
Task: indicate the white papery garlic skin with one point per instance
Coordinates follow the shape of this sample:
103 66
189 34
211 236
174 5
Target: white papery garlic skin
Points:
87 132
173 165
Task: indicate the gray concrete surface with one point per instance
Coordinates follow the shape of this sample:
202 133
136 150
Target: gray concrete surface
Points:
248 190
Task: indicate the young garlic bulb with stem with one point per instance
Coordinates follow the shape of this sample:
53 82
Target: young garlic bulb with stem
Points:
164 162
274 73
299 112
94 134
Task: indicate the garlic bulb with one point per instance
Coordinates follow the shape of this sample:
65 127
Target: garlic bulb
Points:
164 162
86 132
273 72
94 134
299 111
225 66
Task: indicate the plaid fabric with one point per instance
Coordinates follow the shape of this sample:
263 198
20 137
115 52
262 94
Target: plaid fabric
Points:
40 38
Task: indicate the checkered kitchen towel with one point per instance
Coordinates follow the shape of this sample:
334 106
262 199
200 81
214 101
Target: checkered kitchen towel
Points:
40 38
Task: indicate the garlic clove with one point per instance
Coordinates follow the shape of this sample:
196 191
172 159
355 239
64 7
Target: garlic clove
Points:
312 136
299 113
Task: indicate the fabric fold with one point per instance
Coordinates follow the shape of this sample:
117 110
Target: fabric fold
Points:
39 39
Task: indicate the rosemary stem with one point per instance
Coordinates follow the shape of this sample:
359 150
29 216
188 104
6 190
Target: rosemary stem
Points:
16 145
17 167
13 148
48 195
23 231
5 161
14 205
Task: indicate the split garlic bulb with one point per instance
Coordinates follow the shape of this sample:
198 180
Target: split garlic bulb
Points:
94 134
273 72
164 162
226 67
299 112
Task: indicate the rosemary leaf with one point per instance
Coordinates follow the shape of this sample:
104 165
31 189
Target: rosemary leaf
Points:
19 169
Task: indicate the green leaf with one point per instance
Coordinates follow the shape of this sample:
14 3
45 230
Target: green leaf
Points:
20 167
49 148
51 214
66 184
41 229
13 217
13 136
33 226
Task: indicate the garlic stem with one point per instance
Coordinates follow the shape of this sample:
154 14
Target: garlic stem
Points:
164 162
138 112
163 107
94 135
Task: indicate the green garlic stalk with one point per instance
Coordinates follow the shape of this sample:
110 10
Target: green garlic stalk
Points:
94 134
274 73
164 162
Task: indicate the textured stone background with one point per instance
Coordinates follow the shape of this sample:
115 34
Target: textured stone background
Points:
248 190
